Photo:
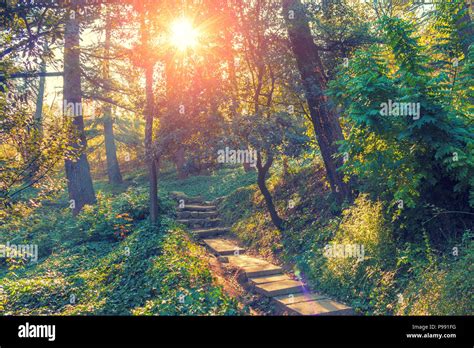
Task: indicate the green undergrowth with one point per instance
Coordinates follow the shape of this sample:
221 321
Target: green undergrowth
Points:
220 183
109 261
395 277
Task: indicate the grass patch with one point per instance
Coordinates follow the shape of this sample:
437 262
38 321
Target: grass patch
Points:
220 183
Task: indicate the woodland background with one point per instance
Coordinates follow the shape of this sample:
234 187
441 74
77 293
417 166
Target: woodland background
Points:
299 81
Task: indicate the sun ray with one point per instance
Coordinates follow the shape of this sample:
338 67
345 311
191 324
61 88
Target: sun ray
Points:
183 34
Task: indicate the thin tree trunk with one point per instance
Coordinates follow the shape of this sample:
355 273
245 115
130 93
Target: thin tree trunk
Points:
149 157
179 161
230 57
261 181
79 181
113 168
286 167
152 172
248 167
324 120
38 118
37 134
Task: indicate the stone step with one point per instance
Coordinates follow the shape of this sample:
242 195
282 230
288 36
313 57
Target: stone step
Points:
317 307
178 196
197 214
191 201
194 223
222 246
252 266
278 288
202 208
208 232
269 279
286 300
290 295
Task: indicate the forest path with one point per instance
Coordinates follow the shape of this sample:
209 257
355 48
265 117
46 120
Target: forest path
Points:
290 295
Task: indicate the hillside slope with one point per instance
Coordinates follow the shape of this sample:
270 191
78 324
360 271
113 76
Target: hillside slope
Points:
109 261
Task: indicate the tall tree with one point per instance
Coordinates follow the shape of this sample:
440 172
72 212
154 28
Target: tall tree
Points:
79 180
229 31
38 118
149 64
267 128
326 126
36 132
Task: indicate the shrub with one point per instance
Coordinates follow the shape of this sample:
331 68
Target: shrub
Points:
365 282
440 287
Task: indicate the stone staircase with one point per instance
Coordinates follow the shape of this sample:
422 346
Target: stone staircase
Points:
290 295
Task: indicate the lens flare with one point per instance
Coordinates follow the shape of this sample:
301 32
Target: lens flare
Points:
183 34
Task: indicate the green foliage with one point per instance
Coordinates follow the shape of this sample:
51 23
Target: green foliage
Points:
413 177
109 261
242 198
415 161
395 277
281 134
183 281
220 183
435 286
146 278
30 154
367 283
451 21
112 218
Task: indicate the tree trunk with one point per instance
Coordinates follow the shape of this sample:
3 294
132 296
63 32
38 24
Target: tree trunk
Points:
286 168
38 118
113 168
152 172
37 134
179 161
261 181
234 90
150 108
248 167
324 120
79 180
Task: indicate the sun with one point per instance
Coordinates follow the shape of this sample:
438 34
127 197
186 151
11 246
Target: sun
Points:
183 34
